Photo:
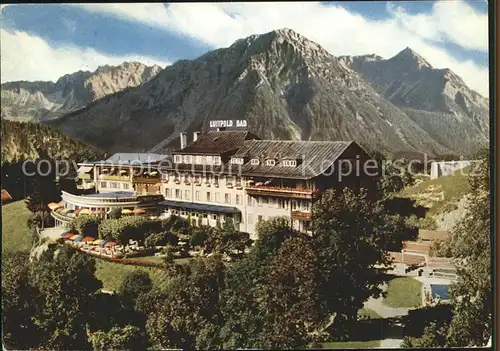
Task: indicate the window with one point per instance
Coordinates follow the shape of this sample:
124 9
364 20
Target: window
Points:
125 186
208 197
249 200
259 218
270 162
254 161
103 185
197 178
289 163
187 194
259 201
186 178
227 198
177 158
178 194
238 180
236 161
216 180
214 217
229 180
294 205
217 197
197 196
209 160
237 199
187 159
113 185
217 160
168 192
199 160
265 200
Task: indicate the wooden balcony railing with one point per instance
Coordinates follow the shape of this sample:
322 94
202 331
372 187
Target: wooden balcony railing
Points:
302 215
298 193
146 180
114 177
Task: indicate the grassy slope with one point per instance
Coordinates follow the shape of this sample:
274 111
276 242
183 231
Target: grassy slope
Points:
440 195
404 292
14 227
15 238
351 344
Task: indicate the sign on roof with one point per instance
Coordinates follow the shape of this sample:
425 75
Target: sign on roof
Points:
228 124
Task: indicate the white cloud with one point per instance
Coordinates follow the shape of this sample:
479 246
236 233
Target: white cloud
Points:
27 57
338 30
453 21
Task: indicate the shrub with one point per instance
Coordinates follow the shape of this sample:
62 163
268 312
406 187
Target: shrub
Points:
199 236
176 224
86 225
161 239
428 222
116 213
135 283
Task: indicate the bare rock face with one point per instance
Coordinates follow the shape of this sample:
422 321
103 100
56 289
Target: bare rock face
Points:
284 85
40 101
435 99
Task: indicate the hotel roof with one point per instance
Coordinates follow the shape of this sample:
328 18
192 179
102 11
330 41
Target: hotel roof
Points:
217 142
129 158
314 157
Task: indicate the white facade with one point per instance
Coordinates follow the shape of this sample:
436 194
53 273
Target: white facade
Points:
445 168
229 191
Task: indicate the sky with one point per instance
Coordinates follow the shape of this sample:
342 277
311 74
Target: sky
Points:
47 41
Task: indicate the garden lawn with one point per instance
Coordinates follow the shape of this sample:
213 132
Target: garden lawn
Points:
112 274
351 344
14 227
368 313
403 292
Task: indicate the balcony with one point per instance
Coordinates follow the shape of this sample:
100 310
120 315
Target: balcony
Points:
146 180
297 193
114 177
302 215
85 176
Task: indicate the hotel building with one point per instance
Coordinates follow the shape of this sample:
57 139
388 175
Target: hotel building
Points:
227 174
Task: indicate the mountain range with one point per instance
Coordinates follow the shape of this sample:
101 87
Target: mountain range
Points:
40 101
288 87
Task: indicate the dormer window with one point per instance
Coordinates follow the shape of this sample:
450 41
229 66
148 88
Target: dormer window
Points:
187 159
289 163
236 161
177 158
254 161
199 160
217 160
270 162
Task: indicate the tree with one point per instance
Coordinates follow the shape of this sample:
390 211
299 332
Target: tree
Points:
86 225
432 337
289 296
188 314
20 301
161 239
470 244
242 304
134 284
115 213
66 280
120 338
199 235
348 241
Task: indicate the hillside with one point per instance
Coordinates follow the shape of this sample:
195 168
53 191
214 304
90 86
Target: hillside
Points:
38 101
444 197
29 141
284 85
437 100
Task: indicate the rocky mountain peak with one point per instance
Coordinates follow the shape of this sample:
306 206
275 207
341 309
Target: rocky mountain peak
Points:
411 59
